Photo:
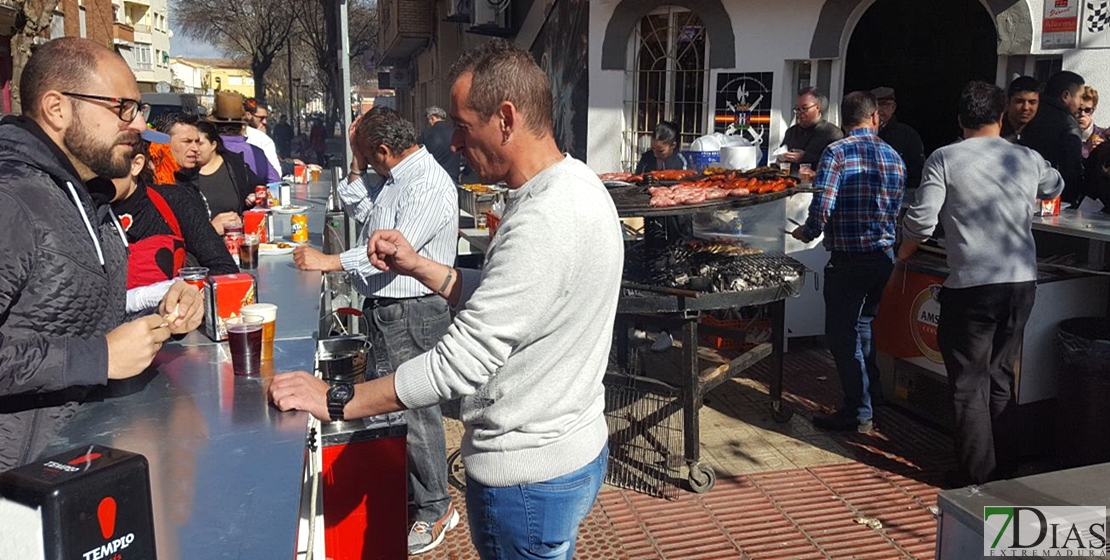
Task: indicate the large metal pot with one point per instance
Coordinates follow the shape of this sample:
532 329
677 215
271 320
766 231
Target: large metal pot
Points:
344 357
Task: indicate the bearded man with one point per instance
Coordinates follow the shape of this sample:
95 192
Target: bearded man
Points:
63 262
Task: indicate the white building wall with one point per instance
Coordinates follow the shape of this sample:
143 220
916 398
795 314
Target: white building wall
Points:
606 119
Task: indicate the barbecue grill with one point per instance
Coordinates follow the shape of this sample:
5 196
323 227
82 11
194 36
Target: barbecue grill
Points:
635 201
671 288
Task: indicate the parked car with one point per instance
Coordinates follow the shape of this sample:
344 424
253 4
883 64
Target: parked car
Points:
161 103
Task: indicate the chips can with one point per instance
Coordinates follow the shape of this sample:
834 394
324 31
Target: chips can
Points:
299 226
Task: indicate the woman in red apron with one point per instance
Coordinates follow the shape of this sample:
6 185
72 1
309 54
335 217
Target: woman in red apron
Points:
164 224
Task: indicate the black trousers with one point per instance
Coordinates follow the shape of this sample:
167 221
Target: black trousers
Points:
980 333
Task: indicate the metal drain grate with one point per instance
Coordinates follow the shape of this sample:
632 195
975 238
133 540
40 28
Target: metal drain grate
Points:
644 417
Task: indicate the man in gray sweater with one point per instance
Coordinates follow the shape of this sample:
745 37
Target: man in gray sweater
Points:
981 190
530 342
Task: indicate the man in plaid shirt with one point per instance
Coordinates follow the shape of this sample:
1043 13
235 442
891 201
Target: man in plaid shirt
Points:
861 181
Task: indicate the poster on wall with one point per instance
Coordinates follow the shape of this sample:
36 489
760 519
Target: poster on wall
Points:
561 50
743 107
1094 25
1060 24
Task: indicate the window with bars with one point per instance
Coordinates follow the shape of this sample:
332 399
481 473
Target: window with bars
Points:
668 80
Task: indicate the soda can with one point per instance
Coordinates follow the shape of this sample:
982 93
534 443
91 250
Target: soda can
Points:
260 195
299 226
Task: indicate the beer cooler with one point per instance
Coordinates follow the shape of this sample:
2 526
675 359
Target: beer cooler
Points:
365 488
90 502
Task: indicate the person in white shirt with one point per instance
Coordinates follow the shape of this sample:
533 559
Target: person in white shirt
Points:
256 114
415 195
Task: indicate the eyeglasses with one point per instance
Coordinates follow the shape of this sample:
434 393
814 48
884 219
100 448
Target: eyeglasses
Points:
127 109
800 110
1086 110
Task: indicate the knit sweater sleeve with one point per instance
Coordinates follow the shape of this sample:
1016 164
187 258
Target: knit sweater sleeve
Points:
200 239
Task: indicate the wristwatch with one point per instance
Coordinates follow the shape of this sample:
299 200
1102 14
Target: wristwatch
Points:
338 396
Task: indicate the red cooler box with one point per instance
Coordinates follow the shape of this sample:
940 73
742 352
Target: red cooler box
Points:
365 489
88 503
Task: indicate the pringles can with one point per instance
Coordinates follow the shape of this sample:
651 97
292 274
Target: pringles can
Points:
299 227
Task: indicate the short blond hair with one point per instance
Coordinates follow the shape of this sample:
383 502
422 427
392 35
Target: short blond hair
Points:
1090 94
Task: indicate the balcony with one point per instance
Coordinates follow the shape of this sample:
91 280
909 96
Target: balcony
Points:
405 28
122 33
142 28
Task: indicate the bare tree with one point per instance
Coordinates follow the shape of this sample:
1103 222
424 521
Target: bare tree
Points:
31 22
257 29
318 25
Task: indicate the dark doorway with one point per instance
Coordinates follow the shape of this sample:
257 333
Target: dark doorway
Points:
927 52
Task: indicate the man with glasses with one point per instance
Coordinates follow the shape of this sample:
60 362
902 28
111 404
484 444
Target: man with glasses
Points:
902 137
63 262
811 134
257 114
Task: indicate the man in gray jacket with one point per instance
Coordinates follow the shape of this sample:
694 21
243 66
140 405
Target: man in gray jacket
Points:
530 343
981 190
63 269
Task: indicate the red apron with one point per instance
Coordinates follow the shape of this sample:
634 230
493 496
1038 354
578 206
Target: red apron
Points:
158 257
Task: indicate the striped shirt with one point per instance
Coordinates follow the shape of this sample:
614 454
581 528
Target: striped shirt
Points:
419 199
861 180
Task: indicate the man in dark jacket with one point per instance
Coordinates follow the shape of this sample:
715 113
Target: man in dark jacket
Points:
902 137
1054 133
63 272
437 140
811 133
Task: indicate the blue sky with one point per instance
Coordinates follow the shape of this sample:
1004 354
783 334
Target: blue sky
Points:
183 45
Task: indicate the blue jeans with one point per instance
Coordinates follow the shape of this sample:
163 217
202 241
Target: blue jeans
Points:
399 331
533 521
854 285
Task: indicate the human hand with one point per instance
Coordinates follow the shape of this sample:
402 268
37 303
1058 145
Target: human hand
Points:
300 391
132 345
799 234
389 251
251 198
358 163
224 218
307 258
792 156
182 308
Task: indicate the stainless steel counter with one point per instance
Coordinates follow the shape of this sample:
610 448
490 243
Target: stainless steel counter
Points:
1087 225
226 467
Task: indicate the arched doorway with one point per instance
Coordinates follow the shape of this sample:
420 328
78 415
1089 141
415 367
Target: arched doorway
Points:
927 51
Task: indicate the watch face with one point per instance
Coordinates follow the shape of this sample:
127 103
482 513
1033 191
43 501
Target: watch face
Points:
342 392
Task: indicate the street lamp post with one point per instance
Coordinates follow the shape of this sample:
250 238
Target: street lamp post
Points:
296 116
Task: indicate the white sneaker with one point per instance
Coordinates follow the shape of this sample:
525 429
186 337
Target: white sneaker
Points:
424 536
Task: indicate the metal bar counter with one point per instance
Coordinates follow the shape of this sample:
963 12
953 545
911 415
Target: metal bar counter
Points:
1087 225
226 467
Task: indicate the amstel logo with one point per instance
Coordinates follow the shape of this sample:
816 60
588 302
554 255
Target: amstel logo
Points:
925 312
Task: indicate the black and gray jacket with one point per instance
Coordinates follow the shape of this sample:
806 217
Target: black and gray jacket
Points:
63 277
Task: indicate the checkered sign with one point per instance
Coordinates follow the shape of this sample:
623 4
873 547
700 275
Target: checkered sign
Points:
1094 30
1098 17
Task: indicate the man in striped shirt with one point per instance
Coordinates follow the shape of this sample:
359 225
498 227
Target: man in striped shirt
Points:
417 197
861 180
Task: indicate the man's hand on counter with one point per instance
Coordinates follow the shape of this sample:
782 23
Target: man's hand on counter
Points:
183 308
307 258
301 390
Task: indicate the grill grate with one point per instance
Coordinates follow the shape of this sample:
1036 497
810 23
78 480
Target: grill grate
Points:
707 266
644 417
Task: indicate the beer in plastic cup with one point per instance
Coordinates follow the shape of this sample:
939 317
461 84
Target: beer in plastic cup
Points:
268 312
248 251
195 276
244 337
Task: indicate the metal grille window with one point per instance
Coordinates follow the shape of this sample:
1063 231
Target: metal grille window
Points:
668 79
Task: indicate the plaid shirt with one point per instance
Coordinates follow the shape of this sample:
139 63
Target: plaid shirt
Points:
861 180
